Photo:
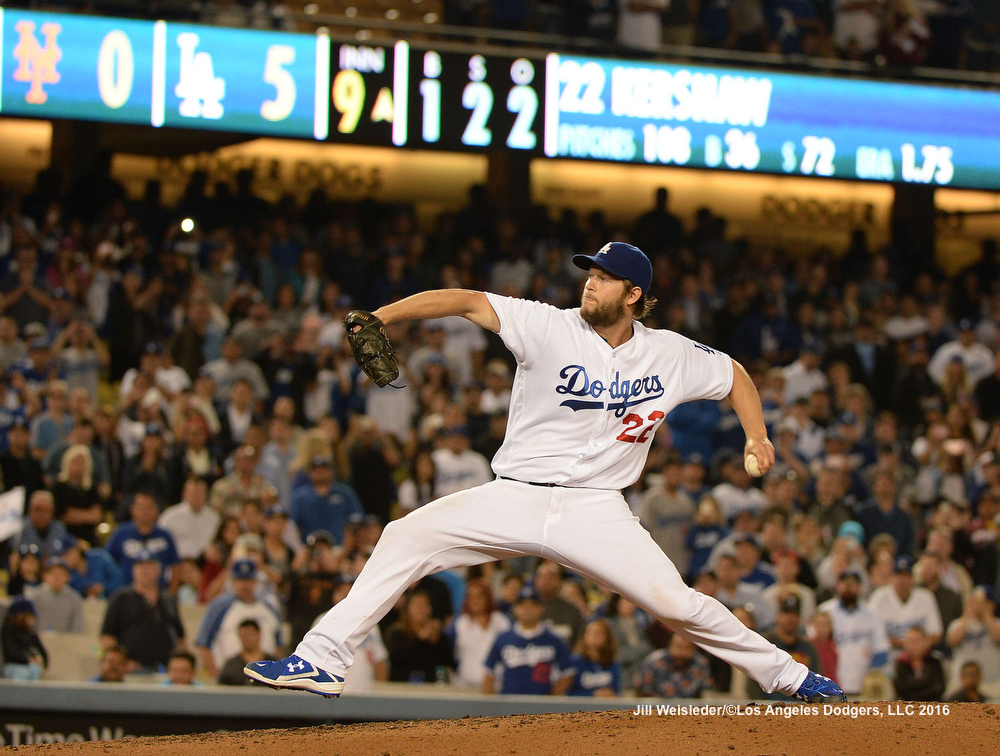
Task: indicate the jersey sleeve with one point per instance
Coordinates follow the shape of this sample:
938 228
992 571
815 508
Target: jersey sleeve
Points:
705 373
880 644
210 624
524 325
564 664
492 662
172 556
616 678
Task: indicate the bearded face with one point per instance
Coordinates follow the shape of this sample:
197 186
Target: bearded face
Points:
603 313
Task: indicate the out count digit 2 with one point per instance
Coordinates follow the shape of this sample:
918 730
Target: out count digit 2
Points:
634 422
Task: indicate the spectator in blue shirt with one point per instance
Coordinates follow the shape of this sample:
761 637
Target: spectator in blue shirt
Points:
92 571
142 533
529 659
324 504
597 671
708 529
50 428
884 515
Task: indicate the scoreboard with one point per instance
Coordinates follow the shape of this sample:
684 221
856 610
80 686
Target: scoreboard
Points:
771 122
128 71
431 99
545 105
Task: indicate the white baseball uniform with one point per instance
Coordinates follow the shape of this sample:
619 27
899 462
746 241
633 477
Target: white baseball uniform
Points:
582 416
919 610
861 642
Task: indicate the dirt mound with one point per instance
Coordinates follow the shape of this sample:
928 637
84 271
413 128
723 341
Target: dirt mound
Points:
883 728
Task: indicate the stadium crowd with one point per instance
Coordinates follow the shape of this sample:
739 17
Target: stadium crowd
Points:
189 428
889 34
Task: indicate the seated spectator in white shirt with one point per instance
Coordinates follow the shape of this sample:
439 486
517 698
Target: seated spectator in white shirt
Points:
192 522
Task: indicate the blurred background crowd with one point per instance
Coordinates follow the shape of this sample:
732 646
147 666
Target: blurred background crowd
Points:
206 470
955 34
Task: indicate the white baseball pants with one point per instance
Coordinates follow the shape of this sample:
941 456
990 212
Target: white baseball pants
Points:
590 531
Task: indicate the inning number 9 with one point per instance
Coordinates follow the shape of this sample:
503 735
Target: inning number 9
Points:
348 99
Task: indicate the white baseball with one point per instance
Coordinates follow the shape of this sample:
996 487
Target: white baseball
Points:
751 465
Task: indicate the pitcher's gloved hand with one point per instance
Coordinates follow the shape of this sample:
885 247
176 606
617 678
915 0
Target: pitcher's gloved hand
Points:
370 345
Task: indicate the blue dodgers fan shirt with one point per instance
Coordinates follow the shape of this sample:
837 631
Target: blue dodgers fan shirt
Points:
529 664
592 676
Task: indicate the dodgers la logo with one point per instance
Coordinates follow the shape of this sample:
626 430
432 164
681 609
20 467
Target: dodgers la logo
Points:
200 90
37 64
629 392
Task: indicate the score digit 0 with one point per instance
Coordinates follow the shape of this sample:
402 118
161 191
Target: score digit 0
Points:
115 69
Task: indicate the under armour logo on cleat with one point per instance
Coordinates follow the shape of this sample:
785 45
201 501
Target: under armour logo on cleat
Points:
296 666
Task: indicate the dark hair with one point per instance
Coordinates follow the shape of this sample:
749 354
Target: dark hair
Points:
117 648
250 622
607 651
484 586
186 655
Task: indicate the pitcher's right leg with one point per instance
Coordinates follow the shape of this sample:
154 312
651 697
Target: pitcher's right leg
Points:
492 521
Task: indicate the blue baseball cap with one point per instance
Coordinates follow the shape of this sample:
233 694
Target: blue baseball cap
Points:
21 605
61 545
903 564
56 561
622 260
244 569
850 572
528 593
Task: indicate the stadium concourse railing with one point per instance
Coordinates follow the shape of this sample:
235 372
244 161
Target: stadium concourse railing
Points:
364 28
370 20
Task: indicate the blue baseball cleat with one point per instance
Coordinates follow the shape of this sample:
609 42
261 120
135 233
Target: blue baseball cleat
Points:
295 673
818 689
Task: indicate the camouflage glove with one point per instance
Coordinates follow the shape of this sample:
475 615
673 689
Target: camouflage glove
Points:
371 347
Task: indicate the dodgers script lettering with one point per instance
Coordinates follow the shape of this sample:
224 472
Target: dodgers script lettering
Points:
627 391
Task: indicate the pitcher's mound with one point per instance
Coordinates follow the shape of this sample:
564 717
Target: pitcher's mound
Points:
881 728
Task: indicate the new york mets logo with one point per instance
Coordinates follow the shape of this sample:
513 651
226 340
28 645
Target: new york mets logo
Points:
628 392
37 64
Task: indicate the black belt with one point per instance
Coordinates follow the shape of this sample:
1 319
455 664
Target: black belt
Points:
532 483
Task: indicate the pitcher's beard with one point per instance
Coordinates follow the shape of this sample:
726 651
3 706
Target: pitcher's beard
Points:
604 315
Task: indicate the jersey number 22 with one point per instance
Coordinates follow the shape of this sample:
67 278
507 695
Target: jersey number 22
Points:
634 422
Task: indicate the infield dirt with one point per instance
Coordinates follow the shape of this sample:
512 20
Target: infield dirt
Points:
965 729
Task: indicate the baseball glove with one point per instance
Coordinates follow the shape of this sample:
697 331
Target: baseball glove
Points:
371 346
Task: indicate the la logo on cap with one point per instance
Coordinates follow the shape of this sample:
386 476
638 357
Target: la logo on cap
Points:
604 250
